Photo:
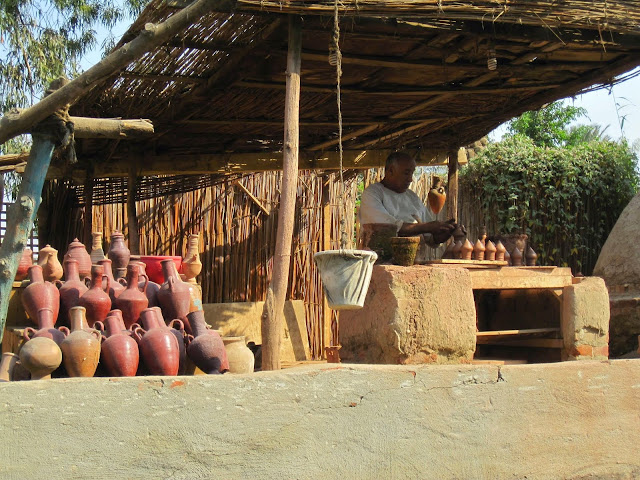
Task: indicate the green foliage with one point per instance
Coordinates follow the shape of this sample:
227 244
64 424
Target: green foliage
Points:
547 127
566 199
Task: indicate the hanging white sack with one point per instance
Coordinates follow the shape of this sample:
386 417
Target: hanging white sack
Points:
345 276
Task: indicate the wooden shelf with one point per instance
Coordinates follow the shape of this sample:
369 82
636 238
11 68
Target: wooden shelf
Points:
521 338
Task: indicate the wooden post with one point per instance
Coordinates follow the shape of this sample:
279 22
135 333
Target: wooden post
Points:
326 245
88 208
452 194
20 218
273 308
132 214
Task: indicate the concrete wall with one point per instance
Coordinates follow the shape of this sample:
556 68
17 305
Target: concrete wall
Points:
572 420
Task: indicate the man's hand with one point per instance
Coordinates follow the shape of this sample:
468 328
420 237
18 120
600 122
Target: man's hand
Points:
443 230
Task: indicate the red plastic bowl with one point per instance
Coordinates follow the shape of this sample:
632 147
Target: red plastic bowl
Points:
154 268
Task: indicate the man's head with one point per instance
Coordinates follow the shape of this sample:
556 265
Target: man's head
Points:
398 172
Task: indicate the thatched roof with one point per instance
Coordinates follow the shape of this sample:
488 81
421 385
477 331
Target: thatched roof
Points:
415 76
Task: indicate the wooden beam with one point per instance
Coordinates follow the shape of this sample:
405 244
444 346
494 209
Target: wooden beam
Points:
326 245
150 37
132 214
276 293
164 78
452 186
328 123
88 208
225 164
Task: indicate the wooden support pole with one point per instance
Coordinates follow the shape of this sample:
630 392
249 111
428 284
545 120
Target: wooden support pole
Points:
132 214
88 209
273 308
20 218
326 245
452 194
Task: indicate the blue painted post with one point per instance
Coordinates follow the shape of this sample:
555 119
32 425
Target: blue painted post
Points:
21 216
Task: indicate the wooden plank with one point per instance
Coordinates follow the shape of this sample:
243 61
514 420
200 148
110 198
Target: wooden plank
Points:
520 277
524 342
452 186
465 263
511 333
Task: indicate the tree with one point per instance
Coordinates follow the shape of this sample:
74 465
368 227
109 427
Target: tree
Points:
547 127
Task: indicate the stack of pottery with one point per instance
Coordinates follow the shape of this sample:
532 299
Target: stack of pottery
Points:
40 295
26 260
71 289
40 356
206 350
48 260
81 348
96 300
46 327
76 251
119 254
132 301
174 295
120 354
158 345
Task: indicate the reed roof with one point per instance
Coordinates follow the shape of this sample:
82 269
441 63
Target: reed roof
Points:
415 76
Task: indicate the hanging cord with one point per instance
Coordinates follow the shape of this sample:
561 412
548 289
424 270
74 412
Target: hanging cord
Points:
335 58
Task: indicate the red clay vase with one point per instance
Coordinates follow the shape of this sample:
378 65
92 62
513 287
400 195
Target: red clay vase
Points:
132 301
96 300
78 252
81 348
206 350
177 328
115 288
40 294
437 196
174 295
46 328
119 353
26 260
152 287
70 290
119 254
158 346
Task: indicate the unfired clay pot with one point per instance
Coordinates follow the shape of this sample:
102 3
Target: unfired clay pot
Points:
26 260
158 346
119 254
404 249
115 288
206 350
46 328
48 260
478 250
40 356
466 251
177 328
500 251
40 294
7 364
78 252
174 295
97 253
241 359
81 348
96 300
490 251
119 354
70 290
132 301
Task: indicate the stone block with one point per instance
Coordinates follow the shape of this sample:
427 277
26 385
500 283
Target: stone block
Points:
416 314
585 320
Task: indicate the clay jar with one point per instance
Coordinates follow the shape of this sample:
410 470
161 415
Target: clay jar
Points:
77 252
81 348
466 250
46 328
500 251
7 364
158 346
191 264
48 260
174 295
40 356
206 350
152 287
71 290
177 328
97 253
132 301
115 287
119 254
490 251
26 260
96 300
437 196
40 294
119 353
241 359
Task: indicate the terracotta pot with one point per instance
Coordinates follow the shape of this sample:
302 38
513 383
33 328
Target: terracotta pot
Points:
478 250
26 260
490 251
132 301
70 290
177 328
152 287
119 254
46 328
507 257
531 257
437 196
333 353
377 237
40 356
119 353
206 350
77 252
40 294
404 250
115 287
97 253
158 345
96 300
457 250
241 359
191 264
81 348
466 250
516 257
512 240
7 364
174 295
154 266
500 251
48 260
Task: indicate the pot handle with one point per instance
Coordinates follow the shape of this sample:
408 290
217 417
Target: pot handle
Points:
146 282
179 322
97 334
57 283
98 325
108 283
137 333
27 332
64 330
122 281
171 282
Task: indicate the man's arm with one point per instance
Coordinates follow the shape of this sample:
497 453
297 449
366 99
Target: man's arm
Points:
441 231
